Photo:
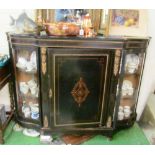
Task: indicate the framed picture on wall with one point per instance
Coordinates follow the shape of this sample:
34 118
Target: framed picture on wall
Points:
128 22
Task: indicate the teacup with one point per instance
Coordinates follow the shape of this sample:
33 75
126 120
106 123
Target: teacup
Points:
124 92
134 64
34 115
130 91
32 83
132 69
34 112
127 107
34 108
26 110
34 104
126 115
34 91
120 115
27 114
127 111
24 88
120 108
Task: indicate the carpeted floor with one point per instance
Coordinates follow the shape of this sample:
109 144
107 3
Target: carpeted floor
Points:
131 136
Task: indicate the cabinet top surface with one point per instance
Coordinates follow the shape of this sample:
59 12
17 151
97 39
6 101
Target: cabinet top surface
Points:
101 42
97 38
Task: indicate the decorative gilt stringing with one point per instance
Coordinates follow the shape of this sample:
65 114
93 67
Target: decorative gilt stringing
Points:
80 92
116 61
50 93
45 121
43 60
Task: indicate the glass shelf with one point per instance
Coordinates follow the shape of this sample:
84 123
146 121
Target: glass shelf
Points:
25 71
29 96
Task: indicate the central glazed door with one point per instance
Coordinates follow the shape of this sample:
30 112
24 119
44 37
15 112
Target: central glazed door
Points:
79 86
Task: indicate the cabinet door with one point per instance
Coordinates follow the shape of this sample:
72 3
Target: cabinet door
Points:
79 80
27 88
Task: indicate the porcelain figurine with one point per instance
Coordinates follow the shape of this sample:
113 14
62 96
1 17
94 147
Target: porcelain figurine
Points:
23 24
132 62
26 110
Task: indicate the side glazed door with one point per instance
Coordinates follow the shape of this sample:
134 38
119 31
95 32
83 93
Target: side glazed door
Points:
27 84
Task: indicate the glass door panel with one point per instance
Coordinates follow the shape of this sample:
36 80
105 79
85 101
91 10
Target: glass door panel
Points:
27 82
131 83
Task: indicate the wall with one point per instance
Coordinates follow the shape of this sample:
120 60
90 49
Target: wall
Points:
148 81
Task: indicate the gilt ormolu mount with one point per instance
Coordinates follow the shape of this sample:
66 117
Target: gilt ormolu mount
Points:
80 82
